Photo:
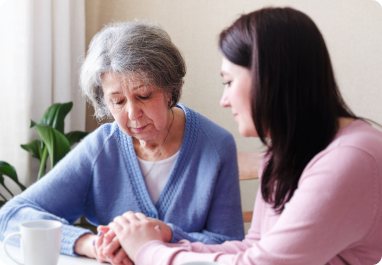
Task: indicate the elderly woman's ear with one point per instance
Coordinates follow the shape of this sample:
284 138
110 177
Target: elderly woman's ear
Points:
169 99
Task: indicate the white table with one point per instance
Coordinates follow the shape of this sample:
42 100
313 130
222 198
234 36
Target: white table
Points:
63 260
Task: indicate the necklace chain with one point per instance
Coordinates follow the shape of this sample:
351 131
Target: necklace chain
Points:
168 133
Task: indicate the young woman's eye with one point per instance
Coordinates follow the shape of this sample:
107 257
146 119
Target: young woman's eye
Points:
228 83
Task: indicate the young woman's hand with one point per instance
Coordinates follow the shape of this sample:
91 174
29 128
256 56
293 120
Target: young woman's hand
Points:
165 230
135 230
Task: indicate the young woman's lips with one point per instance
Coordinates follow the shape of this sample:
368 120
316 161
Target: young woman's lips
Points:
138 130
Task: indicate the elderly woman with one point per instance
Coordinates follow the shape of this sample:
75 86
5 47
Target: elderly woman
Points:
158 158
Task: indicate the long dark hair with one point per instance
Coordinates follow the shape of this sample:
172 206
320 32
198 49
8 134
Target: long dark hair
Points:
295 98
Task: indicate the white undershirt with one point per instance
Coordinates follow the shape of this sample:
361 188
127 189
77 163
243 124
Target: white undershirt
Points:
158 175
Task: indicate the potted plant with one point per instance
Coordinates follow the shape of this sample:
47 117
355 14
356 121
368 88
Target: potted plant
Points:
54 143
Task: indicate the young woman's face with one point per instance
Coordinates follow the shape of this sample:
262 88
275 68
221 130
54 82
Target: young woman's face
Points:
140 111
237 96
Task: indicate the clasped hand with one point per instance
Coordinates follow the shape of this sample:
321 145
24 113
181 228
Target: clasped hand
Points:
119 242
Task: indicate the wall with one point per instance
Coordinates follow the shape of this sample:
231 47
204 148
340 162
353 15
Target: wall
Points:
351 28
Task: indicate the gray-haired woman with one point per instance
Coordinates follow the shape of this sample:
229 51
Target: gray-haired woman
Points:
159 157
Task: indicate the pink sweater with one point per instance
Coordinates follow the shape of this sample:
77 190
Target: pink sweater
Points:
334 217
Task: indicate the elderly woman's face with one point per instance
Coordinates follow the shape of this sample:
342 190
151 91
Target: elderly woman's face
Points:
140 111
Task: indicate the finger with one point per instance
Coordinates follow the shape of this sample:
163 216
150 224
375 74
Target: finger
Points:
130 216
108 237
103 228
100 258
114 263
98 241
119 255
141 216
111 248
98 245
122 220
127 261
99 254
110 259
118 230
94 250
98 248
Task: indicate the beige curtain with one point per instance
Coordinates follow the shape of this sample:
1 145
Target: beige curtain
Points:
42 43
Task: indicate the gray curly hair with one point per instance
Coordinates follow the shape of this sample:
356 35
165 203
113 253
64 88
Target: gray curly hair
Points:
132 48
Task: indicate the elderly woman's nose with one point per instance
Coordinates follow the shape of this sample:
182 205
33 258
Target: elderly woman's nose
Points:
134 111
224 102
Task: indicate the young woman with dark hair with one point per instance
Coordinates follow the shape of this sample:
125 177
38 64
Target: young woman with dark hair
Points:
294 95
320 196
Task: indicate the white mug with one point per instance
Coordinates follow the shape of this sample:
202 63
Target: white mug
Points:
40 242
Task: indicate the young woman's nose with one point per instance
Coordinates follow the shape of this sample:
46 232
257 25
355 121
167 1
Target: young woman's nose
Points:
224 102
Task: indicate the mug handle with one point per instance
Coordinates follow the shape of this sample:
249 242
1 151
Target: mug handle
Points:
17 234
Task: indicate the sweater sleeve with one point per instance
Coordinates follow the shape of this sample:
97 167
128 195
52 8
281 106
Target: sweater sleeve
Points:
224 221
60 195
334 206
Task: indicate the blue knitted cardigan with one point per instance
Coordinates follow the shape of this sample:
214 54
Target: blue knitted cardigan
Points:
101 179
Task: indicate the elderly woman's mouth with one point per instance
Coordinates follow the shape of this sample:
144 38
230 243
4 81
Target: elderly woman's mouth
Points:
138 129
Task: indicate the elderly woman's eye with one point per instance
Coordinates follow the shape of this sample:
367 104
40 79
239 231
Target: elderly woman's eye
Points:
145 96
118 102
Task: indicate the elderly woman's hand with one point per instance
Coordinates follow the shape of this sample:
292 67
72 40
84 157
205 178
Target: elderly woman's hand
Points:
134 230
109 248
91 246
85 246
97 246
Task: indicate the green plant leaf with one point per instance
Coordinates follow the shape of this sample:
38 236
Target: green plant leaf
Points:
75 136
33 123
35 148
5 187
55 115
44 157
57 144
8 170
